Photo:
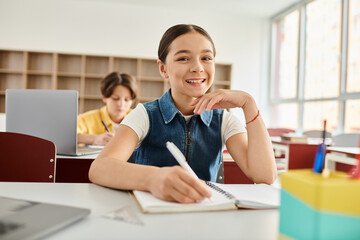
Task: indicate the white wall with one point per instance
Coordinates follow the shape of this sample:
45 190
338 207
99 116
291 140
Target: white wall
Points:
123 29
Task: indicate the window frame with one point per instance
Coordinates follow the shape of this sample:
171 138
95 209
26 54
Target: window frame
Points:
299 99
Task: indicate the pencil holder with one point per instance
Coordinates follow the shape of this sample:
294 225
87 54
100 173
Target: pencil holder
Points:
313 207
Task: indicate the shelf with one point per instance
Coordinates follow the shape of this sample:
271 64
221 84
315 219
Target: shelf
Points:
2 103
151 89
68 63
146 99
83 73
215 87
225 83
92 97
92 86
11 81
149 68
126 65
95 75
96 65
151 79
40 62
69 83
4 70
39 82
12 60
222 71
68 74
91 104
33 72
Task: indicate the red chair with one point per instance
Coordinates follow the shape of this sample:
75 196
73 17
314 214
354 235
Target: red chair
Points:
25 158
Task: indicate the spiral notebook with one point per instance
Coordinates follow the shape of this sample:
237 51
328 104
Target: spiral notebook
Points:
224 197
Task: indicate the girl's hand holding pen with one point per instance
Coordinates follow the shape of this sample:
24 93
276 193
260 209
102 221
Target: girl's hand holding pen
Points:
177 185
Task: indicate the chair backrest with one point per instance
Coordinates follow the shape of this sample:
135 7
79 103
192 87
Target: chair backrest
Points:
316 134
277 132
346 140
25 158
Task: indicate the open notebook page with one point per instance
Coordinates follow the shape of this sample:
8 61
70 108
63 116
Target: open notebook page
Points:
151 204
248 196
253 195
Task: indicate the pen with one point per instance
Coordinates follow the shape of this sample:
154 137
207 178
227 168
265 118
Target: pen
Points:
320 154
324 132
177 154
180 158
107 129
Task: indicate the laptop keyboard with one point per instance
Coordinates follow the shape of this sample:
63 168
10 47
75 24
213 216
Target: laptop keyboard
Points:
6 227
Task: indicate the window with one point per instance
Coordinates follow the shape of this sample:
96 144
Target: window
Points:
316 66
285 115
286 55
322 52
316 112
352 116
353 66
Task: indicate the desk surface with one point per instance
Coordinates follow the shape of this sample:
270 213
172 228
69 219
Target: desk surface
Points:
238 224
346 150
87 156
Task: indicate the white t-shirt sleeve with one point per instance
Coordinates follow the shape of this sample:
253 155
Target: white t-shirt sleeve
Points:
138 120
230 126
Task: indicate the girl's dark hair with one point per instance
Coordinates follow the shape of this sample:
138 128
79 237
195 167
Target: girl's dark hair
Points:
115 79
175 31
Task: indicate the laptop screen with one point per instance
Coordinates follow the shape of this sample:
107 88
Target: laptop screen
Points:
48 114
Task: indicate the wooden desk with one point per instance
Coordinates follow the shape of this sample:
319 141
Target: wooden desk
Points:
296 155
73 169
237 224
341 158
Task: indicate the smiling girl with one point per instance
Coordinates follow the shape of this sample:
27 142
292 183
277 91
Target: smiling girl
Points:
195 121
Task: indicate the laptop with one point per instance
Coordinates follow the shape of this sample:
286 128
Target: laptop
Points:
20 219
48 114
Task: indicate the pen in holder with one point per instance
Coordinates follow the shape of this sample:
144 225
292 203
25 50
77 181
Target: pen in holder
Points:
320 154
319 158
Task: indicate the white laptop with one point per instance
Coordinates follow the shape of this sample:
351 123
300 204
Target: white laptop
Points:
48 114
20 219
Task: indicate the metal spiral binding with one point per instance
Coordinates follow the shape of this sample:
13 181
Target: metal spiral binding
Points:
220 190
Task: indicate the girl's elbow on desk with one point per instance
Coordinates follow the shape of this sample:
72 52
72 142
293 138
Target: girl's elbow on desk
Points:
266 180
99 173
268 177
93 173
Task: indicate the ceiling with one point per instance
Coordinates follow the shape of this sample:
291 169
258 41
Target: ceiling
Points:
256 8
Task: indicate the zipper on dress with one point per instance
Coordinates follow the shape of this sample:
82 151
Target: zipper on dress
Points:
188 139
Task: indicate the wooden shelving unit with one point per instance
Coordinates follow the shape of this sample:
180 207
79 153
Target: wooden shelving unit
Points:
81 72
